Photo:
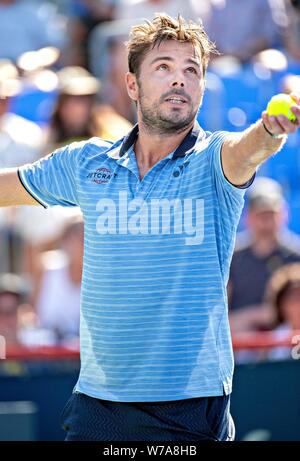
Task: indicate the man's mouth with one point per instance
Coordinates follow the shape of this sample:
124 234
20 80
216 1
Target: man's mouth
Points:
176 100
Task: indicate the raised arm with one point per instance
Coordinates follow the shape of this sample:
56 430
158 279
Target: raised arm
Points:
12 191
243 152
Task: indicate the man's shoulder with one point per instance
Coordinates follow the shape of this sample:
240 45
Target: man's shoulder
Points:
98 144
93 147
209 141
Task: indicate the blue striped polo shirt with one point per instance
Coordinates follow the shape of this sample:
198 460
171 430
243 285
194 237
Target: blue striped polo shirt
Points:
154 322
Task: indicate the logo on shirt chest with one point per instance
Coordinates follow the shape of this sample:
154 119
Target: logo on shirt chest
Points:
101 175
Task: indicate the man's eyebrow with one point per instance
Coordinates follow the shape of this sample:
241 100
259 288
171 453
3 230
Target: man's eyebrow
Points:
168 58
161 58
194 62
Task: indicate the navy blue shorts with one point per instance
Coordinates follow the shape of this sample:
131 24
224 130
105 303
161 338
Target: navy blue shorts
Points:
203 418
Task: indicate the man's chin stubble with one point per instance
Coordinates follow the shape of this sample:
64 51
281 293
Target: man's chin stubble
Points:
165 127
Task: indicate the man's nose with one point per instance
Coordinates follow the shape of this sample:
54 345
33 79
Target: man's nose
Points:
177 79
178 82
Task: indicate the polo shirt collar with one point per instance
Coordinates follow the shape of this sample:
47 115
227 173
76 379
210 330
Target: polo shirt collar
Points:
184 148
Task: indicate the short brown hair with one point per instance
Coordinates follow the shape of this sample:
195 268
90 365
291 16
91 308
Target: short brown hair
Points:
144 37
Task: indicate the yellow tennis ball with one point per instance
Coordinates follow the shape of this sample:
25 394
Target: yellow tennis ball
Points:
281 104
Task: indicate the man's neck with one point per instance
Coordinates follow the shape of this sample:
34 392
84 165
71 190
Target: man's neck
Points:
264 246
150 148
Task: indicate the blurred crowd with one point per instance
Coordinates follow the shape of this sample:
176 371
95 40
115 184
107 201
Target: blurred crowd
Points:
62 66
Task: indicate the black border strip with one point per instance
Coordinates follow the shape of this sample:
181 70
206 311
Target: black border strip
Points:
246 185
27 190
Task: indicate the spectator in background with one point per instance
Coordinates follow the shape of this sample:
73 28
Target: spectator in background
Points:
84 16
21 141
292 38
28 26
71 120
242 28
283 295
78 115
59 284
266 246
17 320
12 291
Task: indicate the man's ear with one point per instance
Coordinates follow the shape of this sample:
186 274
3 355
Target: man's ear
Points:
132 86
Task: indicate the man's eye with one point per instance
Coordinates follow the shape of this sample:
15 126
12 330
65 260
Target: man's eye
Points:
162 67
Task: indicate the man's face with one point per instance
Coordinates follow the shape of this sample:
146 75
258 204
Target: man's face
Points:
265 223
169 88
75 110
290 306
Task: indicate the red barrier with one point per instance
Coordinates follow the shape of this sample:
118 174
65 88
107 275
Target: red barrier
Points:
265 340
41 353
242 341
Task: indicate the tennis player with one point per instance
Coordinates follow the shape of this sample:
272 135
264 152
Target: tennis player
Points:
160 208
